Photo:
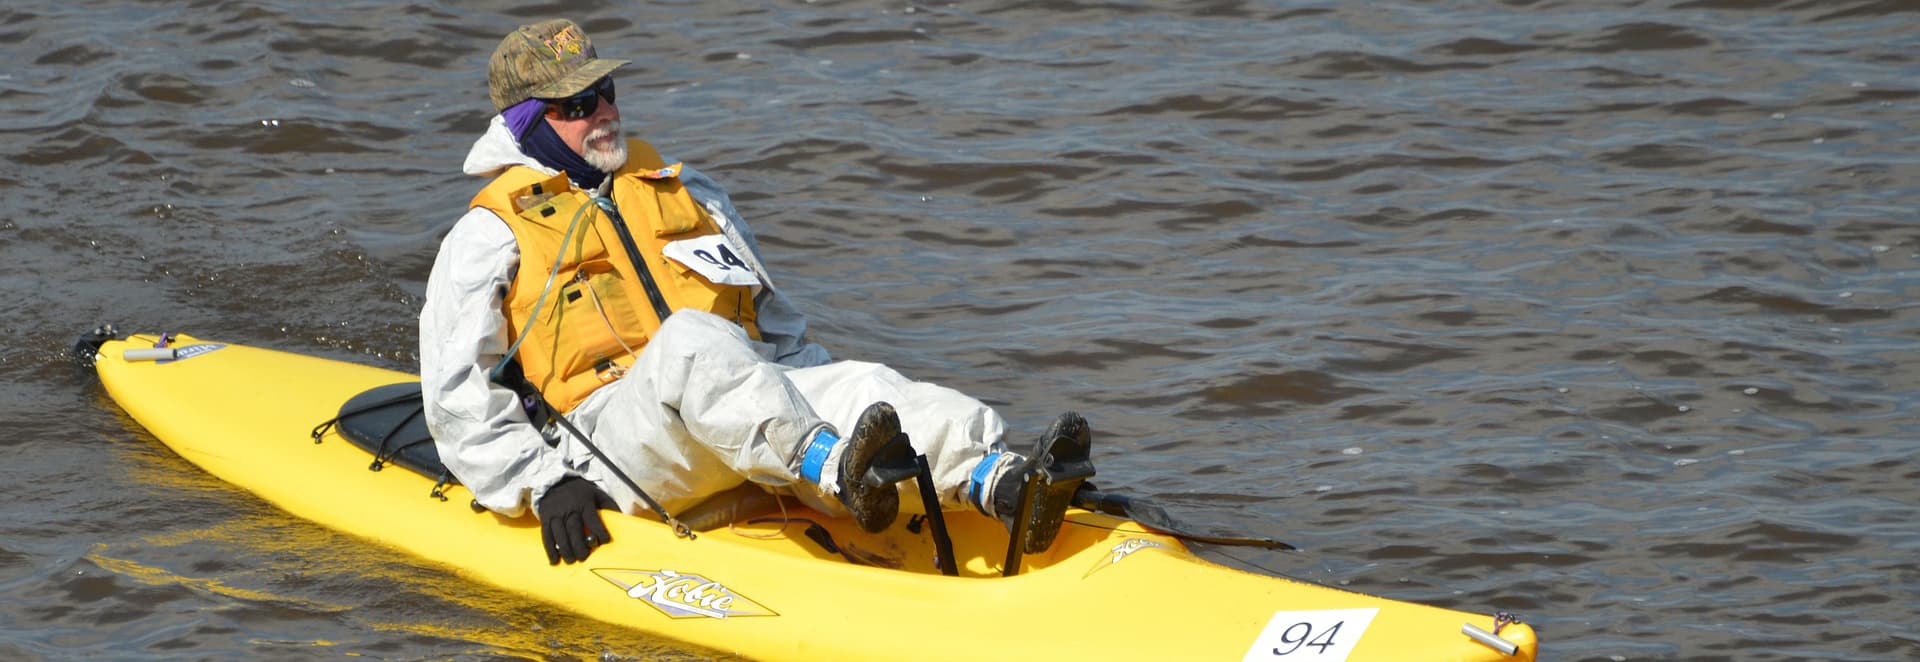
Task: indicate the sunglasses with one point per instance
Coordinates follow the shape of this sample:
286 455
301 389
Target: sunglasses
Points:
584 104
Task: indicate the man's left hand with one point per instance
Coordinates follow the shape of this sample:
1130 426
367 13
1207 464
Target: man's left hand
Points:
570 525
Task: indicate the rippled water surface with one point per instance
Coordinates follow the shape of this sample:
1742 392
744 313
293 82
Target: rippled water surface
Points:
1602 313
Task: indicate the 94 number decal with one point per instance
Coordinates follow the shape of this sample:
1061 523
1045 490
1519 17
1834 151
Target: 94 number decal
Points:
1302 634
1319 636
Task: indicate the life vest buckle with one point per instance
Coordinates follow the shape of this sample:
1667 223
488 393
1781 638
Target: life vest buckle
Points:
608 371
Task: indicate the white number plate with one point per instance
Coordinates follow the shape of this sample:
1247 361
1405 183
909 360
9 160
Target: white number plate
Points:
1319 636
713 258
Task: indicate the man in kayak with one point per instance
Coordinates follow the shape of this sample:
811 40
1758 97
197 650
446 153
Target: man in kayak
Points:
595 279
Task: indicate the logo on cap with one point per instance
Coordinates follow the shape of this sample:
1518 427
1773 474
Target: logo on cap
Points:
565 44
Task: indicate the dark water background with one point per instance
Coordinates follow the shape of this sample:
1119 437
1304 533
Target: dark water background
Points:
1600 312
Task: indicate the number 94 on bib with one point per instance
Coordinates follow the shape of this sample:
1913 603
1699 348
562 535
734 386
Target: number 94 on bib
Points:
1316 636
713 258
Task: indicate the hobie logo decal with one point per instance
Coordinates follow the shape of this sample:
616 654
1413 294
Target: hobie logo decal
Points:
190 351
1120 553
683 595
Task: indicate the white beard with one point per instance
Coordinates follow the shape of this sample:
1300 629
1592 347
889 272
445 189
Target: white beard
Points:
606 159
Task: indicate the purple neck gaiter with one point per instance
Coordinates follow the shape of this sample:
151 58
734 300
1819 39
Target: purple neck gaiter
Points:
537 139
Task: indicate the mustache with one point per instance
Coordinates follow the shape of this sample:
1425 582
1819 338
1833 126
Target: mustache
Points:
610 128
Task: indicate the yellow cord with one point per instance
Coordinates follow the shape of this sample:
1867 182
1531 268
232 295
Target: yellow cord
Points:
593 296
552 273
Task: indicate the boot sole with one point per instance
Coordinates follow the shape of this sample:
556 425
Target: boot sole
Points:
1069 441
873 507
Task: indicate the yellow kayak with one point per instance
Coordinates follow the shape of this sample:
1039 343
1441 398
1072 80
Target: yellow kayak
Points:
1108 589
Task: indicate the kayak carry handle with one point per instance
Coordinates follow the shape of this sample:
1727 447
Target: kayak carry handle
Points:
155 354
1490 639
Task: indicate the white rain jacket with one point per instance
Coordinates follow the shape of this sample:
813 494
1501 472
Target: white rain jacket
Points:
503 459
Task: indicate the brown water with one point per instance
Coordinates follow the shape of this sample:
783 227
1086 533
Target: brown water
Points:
1602 313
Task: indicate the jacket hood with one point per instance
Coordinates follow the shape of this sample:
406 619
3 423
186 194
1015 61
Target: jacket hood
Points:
496 150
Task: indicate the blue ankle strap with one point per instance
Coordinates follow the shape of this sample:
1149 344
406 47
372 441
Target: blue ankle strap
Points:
816 458
977 482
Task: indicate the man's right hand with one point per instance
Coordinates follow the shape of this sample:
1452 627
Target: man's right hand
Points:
570 525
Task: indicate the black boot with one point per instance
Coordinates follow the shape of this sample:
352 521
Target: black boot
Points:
1062 458
878 455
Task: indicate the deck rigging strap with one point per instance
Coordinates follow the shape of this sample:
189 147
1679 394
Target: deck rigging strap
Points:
321 429
380 455
368 421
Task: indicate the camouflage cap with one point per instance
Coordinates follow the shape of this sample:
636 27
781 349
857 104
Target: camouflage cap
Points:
549 60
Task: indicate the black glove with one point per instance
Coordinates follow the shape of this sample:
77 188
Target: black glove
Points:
570 525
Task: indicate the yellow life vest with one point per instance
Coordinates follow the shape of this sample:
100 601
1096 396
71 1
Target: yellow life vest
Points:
602 307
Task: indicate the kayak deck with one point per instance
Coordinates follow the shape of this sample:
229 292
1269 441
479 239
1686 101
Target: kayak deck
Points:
1107 588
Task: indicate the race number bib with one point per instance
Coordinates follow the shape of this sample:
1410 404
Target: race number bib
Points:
1320 636
713 258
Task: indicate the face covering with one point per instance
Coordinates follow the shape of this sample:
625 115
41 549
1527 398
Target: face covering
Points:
537 139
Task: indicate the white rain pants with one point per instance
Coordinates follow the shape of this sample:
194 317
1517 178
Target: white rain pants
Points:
701 412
